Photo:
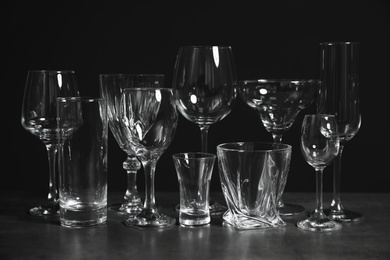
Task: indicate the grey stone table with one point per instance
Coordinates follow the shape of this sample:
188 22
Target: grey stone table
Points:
25 237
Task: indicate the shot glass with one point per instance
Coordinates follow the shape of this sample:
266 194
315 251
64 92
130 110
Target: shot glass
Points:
194 172
82 130
250 174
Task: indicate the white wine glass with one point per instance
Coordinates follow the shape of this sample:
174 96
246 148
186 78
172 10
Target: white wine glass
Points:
339 95
319 145
150 119
39 117
205 89
278 102
111 89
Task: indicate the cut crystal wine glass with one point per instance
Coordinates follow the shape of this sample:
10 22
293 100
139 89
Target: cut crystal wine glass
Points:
205 89
339 95
39 117
111 89
278 102
150 118
319 145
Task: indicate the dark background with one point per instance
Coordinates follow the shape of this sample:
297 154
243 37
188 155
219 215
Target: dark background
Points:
269 40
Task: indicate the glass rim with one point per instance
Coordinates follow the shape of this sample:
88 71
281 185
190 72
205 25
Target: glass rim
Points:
193 155
339 43
321 115
206 46
51 71
282 147
132 74
280 80
146 88
79 99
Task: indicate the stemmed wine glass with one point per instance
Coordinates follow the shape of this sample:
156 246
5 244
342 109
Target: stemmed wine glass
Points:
278 102
205 89
111 89
339 95
39 117
150 119
319 145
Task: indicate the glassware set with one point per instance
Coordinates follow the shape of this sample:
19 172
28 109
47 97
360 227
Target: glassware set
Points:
143 116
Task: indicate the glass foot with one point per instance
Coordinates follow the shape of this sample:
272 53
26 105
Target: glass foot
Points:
322 225
48 209
291 210
155 221
215 208
124 209
345 216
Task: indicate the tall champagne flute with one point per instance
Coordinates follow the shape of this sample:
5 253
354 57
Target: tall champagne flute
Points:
150 119
278 102
39 117
319 145
111 89
205 89
339 95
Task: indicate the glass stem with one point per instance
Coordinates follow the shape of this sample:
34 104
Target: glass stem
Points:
131 165
204 131
336 206
277 138
319 209
150 210
53 177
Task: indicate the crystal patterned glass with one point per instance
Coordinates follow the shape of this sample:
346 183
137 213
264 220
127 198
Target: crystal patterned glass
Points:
39 117
319 145
150 118
278 102
339 95
111 89
204 84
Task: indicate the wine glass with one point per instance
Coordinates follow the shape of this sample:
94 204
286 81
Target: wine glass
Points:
339 95
278 102
39 117
111 89
150 119
319 145
205 90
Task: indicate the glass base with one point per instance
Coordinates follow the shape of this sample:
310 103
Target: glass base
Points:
322 225
48 209
124 209
216 209
291 210
159 221
345 216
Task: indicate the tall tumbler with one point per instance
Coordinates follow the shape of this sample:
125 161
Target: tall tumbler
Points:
82 125
339 95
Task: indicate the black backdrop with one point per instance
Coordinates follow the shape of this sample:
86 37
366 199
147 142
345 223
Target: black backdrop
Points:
273 40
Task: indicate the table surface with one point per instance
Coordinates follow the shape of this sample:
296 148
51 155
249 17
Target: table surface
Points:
24 236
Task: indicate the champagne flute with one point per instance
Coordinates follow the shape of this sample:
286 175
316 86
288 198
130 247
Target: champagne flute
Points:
39 117
339 95
150 119
205 90
111 89
319 145
278 102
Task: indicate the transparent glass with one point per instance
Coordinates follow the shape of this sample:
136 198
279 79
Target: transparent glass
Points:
111 89
150 119
205 90
339 95
319 145
82 160
249 174
194 171
39 117
278 102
